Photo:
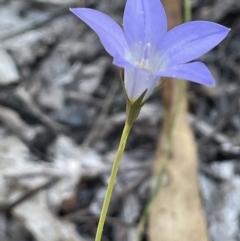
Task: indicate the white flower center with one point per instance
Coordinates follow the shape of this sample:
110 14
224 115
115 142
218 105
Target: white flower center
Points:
145 56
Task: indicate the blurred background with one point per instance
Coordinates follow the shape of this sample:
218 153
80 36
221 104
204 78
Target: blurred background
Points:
62 110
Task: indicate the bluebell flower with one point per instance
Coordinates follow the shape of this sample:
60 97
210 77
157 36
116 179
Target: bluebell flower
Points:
145 49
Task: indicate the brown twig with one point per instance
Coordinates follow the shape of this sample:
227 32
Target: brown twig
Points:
223 121
7 207
27 100
106 106
78 217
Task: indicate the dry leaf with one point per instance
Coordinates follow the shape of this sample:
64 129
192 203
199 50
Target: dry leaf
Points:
176 212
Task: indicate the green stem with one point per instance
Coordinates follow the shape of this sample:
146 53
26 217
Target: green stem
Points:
187 10
115 168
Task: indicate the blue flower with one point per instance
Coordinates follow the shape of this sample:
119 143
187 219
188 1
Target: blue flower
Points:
145 49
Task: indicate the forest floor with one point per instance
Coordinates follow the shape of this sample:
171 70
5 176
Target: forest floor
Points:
62 110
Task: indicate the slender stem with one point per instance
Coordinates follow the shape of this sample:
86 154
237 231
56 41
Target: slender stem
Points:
115 168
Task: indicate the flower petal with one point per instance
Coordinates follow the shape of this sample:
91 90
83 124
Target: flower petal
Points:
190 40
138 80
196 72
109 32
145 21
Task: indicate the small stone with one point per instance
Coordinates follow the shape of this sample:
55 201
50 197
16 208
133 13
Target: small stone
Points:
92 74
72 115
8 70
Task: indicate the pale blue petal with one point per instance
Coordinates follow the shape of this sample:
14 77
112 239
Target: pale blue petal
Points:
138 80
108 31
144 21
189 41
122 62
196 72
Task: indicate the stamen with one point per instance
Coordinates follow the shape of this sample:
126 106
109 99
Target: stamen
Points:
145 56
